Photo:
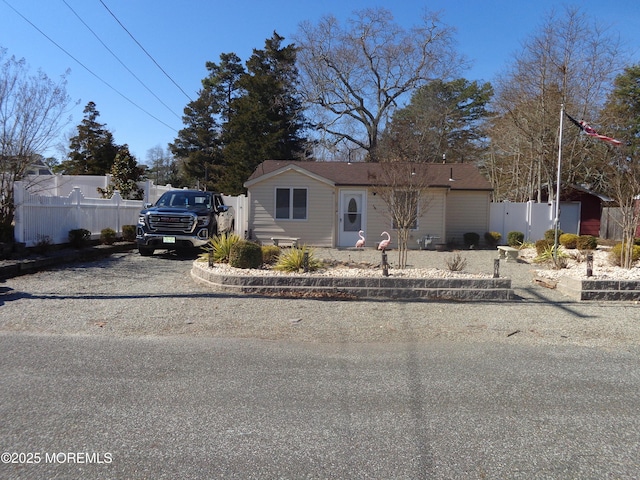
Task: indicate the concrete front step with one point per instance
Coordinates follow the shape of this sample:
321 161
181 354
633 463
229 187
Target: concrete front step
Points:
358 288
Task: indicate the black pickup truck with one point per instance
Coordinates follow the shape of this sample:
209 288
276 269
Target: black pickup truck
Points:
182 219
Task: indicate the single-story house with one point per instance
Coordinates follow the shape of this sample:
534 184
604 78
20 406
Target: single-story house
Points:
325 204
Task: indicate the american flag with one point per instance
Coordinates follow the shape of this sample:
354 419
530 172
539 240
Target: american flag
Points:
588 129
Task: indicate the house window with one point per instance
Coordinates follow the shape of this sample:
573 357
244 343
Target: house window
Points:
405 209
291 203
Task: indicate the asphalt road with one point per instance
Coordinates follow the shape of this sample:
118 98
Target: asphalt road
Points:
112 370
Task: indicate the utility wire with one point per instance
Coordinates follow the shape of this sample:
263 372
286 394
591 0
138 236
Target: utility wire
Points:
87 68
121 62
148 54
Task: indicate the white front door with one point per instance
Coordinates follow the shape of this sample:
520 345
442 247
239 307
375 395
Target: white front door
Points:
351 216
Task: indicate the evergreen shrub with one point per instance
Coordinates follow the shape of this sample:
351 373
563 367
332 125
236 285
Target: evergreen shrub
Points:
550 235
108 236
568 240
245 254
515 239
471 239
129 233
270 254
492 238
79 237
615 256
587 242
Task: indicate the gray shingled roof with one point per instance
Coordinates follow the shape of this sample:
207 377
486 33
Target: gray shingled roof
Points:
457 176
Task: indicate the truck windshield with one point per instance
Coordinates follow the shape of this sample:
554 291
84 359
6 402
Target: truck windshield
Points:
185 199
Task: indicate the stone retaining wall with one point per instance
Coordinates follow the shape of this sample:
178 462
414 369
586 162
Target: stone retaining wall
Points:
358 288
579 289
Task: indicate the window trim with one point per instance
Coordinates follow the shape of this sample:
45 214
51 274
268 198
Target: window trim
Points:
291 206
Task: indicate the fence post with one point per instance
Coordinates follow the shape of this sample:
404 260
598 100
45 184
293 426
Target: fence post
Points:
147 192
117 198
18 214
75 198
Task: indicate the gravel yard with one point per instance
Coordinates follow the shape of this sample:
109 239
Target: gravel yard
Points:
127 294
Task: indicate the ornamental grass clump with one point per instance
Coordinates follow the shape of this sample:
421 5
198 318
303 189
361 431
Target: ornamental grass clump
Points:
219 248
456 263
560 259
293 260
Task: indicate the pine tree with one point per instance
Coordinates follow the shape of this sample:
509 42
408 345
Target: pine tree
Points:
125 175
267 120
443 118
223 82
198 144
92 149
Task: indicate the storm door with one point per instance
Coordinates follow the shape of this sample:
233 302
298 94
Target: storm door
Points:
352 216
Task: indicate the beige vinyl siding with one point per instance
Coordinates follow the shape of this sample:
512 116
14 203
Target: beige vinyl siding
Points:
319 227
467 211
430 221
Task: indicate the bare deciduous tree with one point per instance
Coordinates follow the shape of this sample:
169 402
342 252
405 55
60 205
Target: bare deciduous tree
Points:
356 75
405 191
32 115
621 167
623 185
571 60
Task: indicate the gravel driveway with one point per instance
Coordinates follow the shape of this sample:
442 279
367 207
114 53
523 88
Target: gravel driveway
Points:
127 294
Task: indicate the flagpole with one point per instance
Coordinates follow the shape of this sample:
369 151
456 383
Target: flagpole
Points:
556 220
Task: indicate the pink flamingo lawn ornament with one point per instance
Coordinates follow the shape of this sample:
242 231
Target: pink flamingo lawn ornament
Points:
360 243
384 243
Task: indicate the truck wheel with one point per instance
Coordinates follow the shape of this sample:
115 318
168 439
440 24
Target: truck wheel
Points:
145 252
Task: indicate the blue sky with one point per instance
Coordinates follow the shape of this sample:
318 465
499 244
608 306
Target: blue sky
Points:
182 35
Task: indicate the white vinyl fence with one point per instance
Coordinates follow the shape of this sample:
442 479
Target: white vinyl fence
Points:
63 185
42 215
532 219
